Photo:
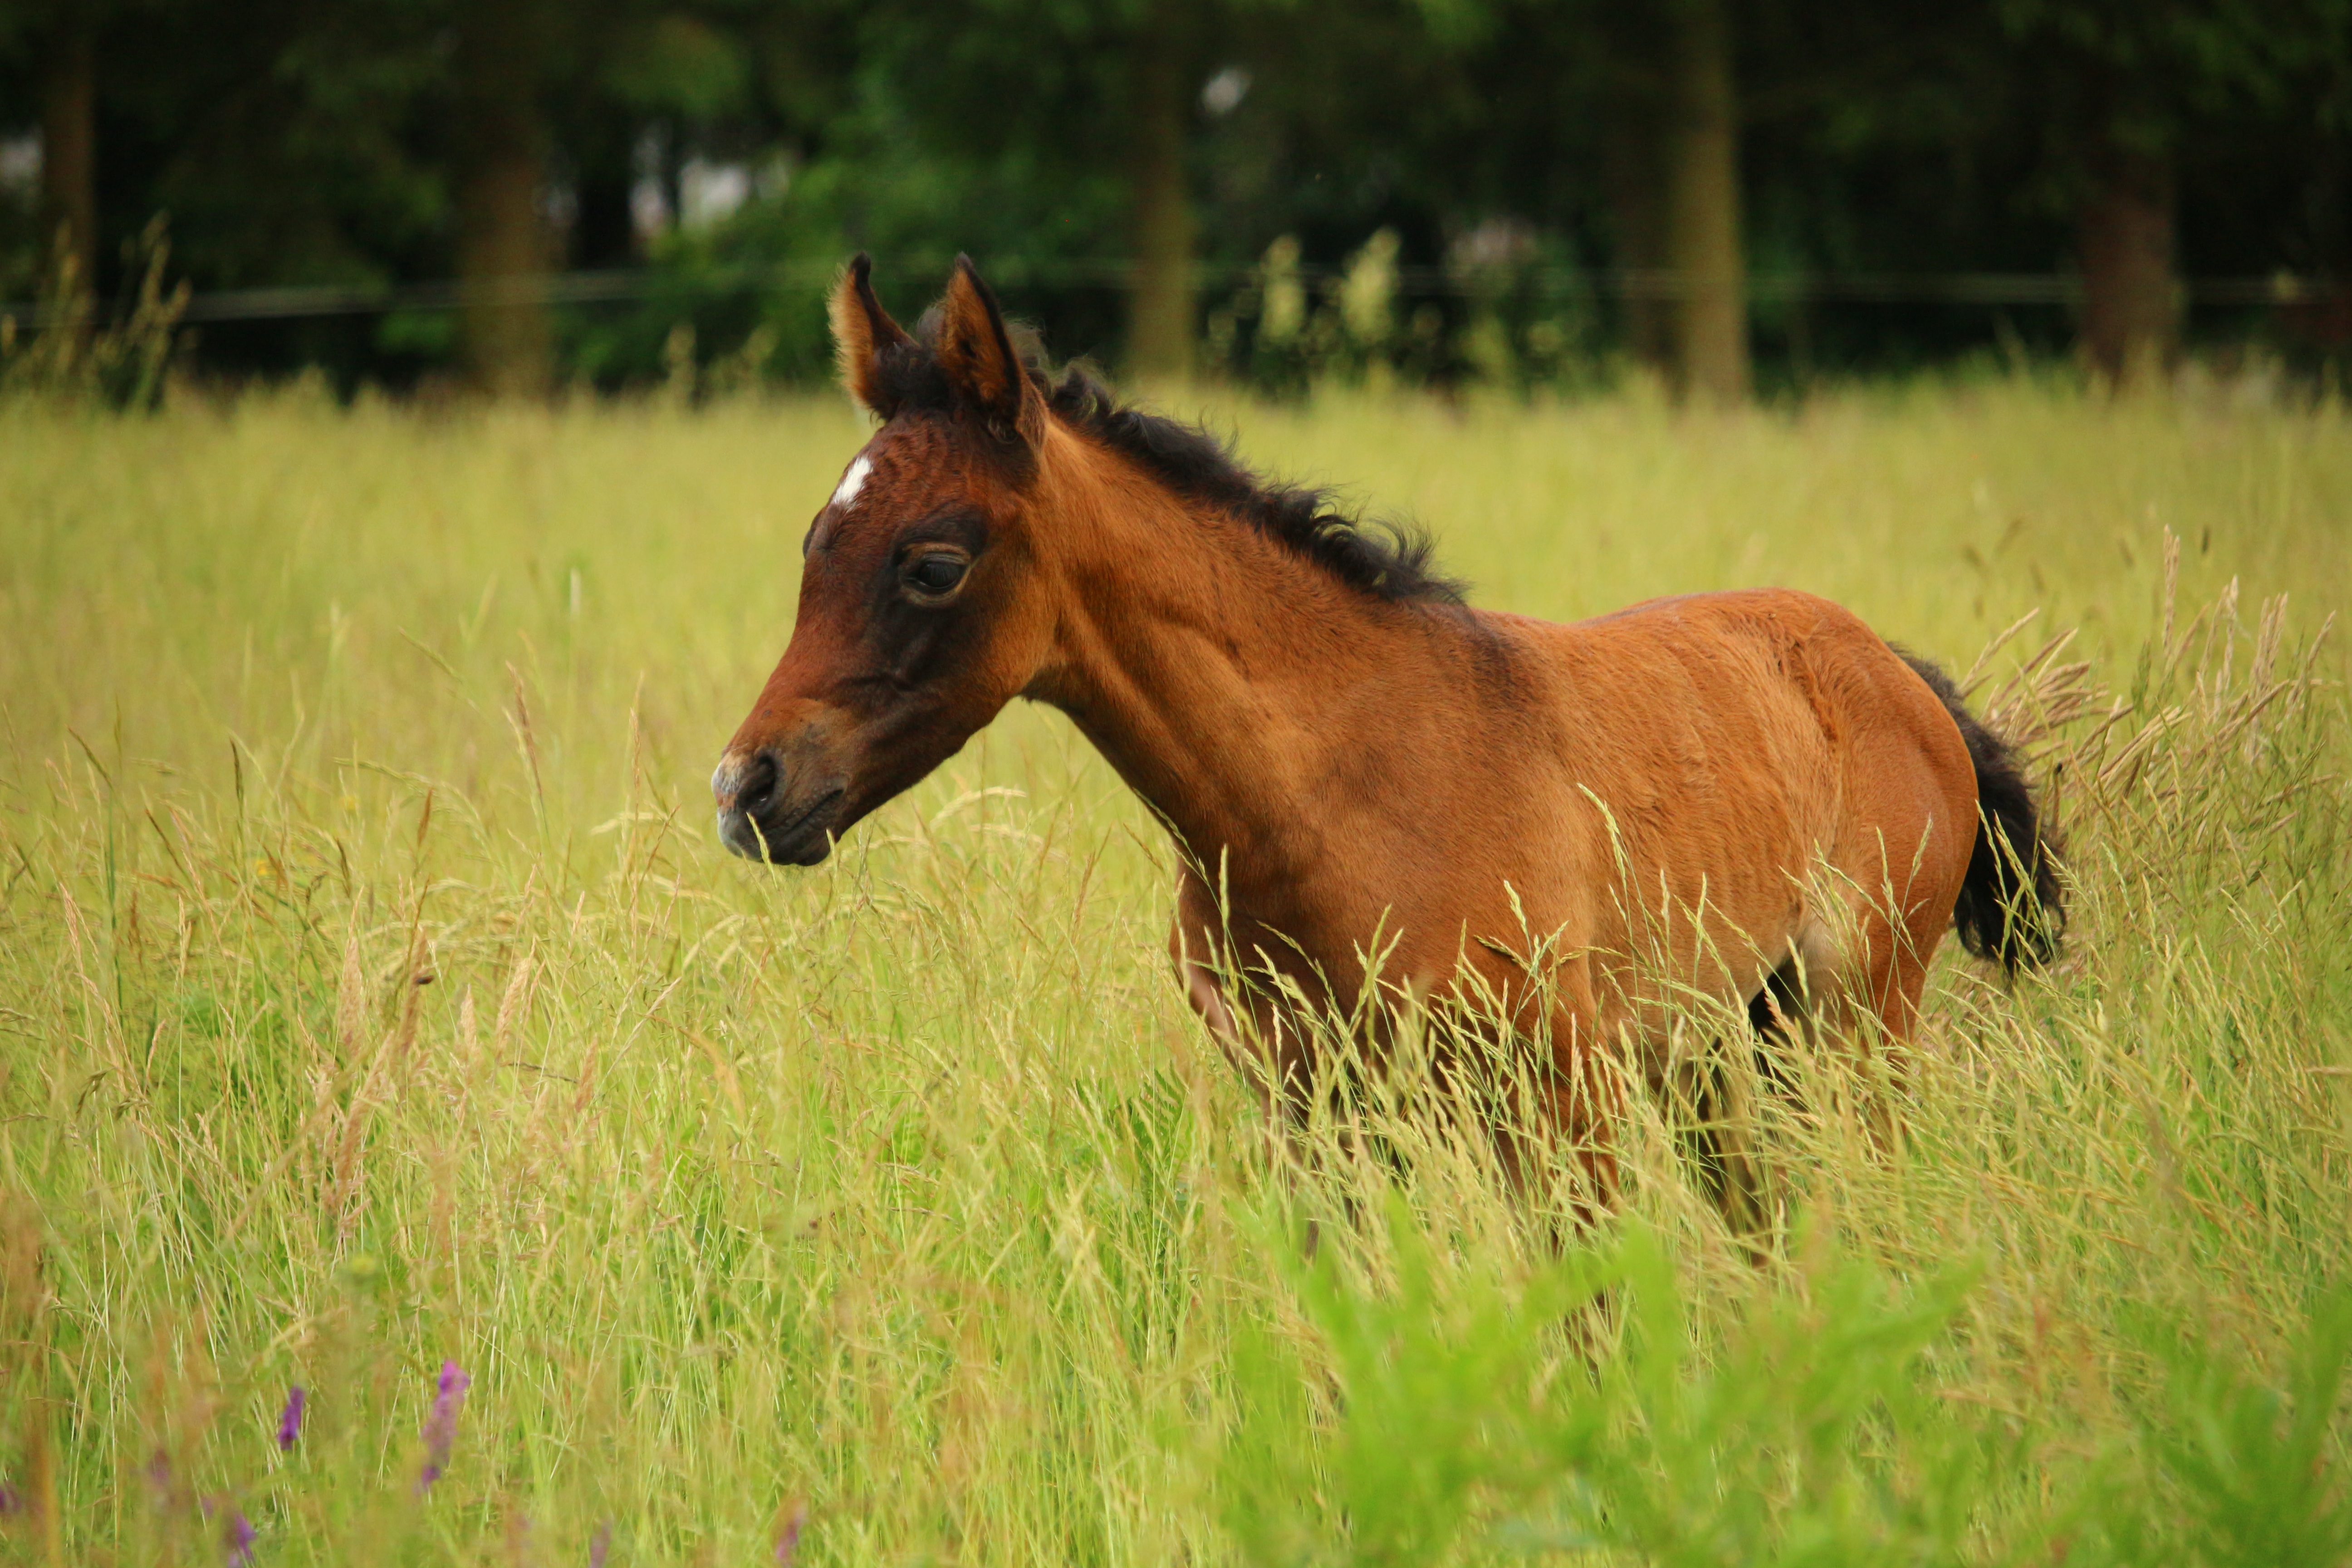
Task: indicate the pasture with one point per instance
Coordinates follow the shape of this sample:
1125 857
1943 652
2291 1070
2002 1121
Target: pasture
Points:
374 995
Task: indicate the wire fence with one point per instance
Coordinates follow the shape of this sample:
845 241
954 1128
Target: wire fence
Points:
637 286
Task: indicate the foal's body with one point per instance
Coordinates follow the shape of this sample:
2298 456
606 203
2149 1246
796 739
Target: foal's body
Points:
1703 787
1369 781
1630 816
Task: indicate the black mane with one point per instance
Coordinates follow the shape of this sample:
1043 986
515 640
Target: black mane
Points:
1381 557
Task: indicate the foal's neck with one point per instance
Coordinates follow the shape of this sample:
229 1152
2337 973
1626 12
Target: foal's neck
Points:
1269 712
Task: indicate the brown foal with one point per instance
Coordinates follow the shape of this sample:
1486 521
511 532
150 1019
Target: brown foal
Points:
1748 796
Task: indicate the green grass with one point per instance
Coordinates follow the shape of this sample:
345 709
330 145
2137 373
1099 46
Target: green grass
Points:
373 993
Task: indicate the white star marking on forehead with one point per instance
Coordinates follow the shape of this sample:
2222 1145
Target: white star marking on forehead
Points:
852 481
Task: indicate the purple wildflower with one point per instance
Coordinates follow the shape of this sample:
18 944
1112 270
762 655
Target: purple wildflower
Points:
289 1420
788 1543
11 1501
158 1478
602 1544
441 1423
239 1538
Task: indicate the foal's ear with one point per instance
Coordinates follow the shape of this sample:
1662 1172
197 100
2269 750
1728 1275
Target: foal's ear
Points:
976 351
862 329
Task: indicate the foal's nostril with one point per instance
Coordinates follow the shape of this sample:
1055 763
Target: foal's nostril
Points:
744 781
758 785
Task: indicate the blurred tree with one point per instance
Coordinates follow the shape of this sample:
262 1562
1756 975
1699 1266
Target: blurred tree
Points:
554 101
1163 315
1498 142
664 84
69 134
289 141
752 90
57 41
1703 240
2117 90
1661 87
1095 92
504 49
1634 191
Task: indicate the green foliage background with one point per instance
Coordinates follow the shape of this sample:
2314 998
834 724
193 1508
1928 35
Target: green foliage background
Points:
320 144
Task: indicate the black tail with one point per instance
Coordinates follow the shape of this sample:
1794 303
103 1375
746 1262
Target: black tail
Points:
2012 908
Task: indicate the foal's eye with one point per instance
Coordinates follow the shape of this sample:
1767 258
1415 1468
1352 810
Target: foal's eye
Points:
935 575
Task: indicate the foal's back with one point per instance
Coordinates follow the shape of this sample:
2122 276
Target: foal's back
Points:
1773 783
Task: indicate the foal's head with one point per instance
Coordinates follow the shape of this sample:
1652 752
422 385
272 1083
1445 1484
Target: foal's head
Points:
935 579
918 619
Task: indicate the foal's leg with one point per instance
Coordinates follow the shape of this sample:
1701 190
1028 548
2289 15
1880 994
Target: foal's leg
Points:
1779 1018
1720 1140
1268 1056
1586 1119
1783 1012
1580 1103
1870 1001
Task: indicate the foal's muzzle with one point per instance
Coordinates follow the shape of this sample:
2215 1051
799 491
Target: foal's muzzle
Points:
768 814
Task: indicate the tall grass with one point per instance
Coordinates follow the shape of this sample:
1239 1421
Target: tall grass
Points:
374 997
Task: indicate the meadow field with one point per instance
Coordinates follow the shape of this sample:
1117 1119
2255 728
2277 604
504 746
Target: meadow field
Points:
380 1018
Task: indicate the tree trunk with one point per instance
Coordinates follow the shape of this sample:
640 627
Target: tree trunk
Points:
503 246
2130 324
70 149
1703 241
1164 299
1631 179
